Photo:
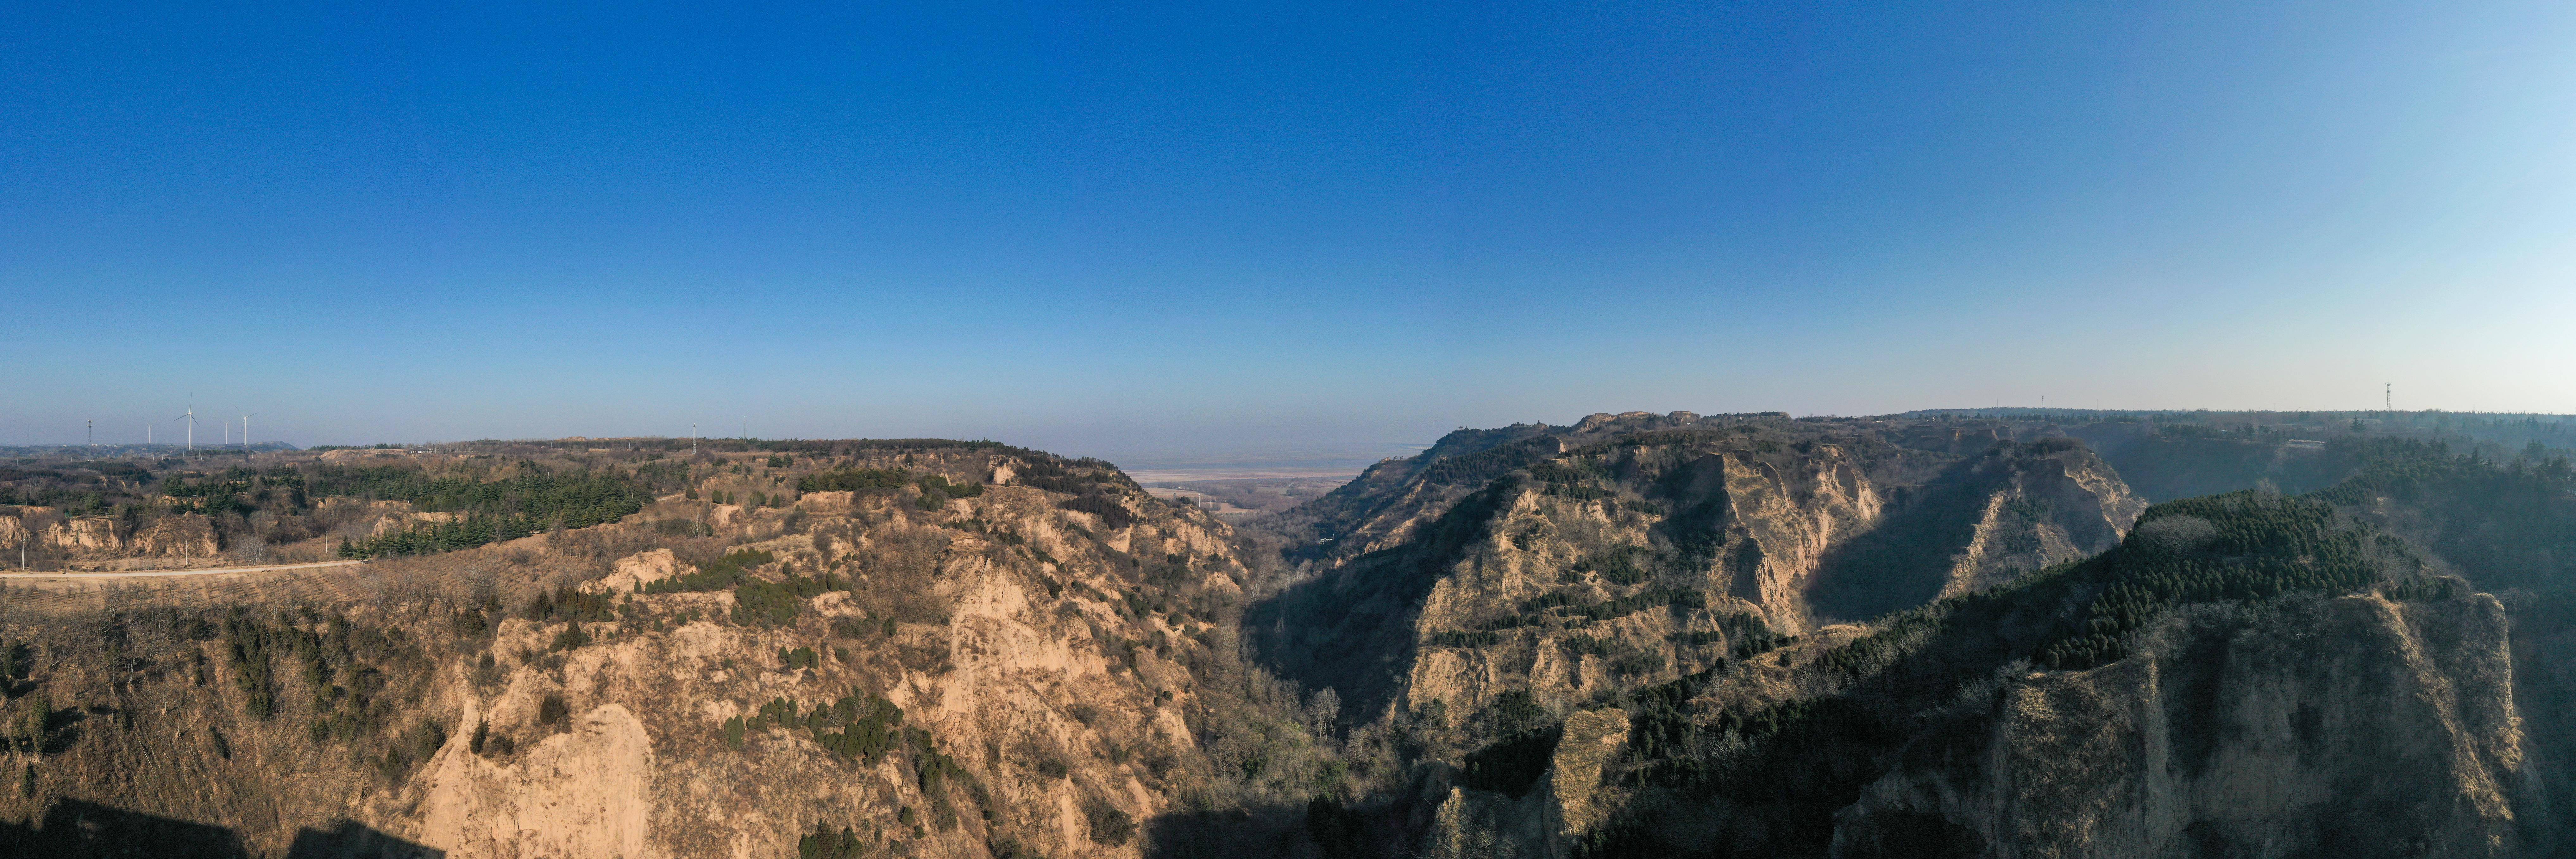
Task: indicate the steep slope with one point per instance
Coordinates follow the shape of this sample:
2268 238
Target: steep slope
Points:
2010 510
1633 557
931 648
2236 736
2248 674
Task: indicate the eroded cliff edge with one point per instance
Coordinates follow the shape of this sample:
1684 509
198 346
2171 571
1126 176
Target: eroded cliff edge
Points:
1634 549
2354 726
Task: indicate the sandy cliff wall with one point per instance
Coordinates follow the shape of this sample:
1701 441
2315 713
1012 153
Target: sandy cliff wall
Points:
1629 563
2346 727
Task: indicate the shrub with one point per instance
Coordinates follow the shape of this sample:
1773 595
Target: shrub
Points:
823 843
1618 566
862 729
551 710
1108 825
1512 765
930 766
1466 638
1571 471
725 572
1112 514
937 485
569 603
35 716
802 657
1698 639
16 660
778 603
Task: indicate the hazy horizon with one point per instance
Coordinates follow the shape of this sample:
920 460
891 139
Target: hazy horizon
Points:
1215 455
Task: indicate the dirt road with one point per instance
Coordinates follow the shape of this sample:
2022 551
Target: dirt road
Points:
157 574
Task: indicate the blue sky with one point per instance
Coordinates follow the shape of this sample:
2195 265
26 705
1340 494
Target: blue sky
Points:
1156 230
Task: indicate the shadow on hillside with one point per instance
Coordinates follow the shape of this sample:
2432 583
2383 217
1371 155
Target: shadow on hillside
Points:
1904 561
79 829
1234 832
1350 628
351 840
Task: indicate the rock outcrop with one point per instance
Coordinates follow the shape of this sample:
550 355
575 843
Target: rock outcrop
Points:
171 535
578 793
1004 674
1552 820
1637 548
1985 520
92 535
178 535
2351 727
635 571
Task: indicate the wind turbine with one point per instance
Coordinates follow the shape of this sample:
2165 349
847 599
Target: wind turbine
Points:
246 432
191 418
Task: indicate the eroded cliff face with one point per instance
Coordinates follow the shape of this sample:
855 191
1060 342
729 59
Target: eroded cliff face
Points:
1564 807
2354 726
1387 504
1568 594
992 675
1054 700
2348 727
177 535
166 535
2044 504
1636 557
1695 578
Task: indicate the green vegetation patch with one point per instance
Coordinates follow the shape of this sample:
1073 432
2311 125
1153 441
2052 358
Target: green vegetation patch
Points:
723 573
854 728
853 479
1112 514
1620 566
495 510
778 603
1512 765
2237 546
936 491
1084 476
823 843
